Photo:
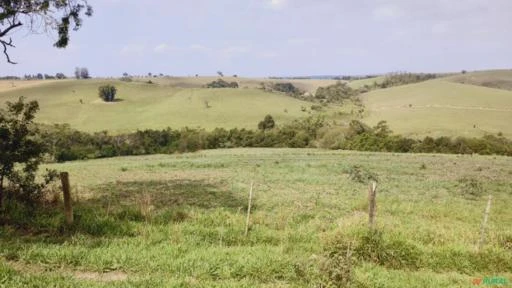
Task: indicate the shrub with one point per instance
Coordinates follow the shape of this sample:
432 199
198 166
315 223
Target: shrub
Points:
336 93
222 84
362 175
267 124
470 187
287 88
107 93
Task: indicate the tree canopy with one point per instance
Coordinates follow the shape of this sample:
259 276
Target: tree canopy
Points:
41 16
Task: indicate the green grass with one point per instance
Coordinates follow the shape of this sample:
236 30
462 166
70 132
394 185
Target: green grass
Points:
360 83
178 221
143 106
308 85
441 108
499 79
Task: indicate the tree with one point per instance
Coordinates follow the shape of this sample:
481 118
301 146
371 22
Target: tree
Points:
220 73
41 16
107 93
21 152
84 73
60 76
268 123
77 72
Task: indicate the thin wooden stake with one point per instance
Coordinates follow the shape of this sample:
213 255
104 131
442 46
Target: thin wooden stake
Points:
484 224
68 208
372 203
249 210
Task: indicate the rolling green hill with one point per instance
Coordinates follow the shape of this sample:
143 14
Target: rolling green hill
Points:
500 79
437 107
143 105
440 107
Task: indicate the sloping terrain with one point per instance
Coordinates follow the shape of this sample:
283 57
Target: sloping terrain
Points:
141 105
499 79
439 107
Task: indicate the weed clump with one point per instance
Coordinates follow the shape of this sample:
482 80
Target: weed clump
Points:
470 188
360 174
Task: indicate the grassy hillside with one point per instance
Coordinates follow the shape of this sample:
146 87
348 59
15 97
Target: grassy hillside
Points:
499 79
308 85
144 105
440 107
360 83
179 220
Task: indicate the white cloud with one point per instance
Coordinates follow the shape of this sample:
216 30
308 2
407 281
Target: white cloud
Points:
236 50
268 54
301 40
387 12
199 48
131 49
277 4
161 48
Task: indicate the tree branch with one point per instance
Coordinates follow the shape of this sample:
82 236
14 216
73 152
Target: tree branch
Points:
3 33
7 44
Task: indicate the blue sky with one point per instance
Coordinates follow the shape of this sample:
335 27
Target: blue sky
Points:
276 37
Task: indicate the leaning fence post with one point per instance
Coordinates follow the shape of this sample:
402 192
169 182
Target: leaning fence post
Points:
372 203
68 209
484 224
249 210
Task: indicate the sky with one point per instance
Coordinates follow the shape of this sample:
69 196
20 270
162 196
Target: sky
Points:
260 38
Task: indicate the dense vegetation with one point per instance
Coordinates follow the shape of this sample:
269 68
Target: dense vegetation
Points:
107 93
336 93
68 144
222 84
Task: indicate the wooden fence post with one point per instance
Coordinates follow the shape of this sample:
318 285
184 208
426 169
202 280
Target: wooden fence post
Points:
484 224
68 209
372 203
249 210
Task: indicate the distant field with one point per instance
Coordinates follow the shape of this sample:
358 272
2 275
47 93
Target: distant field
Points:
179 220
437 107
155 106
308 85
440 107
499 79
360 83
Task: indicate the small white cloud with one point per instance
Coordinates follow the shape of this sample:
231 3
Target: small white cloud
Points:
387 12
199 48
131 49
161 48
236 50
277 4
268 54
300 41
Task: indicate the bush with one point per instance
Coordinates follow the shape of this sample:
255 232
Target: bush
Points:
267 124
336 93
470 187
361 175
287 88
107 93
222 84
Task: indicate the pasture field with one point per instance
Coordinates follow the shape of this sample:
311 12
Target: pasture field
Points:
308 85
152 106
499 79
441 108
355 84
179 220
